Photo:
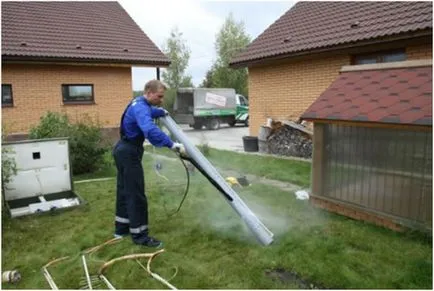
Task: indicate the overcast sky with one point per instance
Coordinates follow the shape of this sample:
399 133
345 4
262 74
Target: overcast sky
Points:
199 21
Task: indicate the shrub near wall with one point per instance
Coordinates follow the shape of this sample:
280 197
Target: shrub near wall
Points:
9 167
86 143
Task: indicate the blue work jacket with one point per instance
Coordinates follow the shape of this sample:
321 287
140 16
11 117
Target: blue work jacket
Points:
138 120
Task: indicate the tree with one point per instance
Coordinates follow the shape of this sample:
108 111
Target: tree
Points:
175 76
137 93
179 54
230 40
208 82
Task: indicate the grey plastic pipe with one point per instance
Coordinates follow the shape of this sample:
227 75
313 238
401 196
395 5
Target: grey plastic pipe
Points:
262 233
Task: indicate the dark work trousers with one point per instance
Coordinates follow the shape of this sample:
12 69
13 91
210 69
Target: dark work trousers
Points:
131 202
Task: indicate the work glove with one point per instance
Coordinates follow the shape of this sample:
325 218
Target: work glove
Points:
157 112
179 148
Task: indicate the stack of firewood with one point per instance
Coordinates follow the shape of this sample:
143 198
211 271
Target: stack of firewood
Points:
291 139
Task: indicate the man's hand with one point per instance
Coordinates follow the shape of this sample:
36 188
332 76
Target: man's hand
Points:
157 112
179 147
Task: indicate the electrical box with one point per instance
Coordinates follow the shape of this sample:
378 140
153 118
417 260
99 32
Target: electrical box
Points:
43 181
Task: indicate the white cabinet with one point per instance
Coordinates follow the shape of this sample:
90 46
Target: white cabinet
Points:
43 180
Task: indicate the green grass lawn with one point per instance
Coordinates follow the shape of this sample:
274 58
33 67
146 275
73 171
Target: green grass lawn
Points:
292 171
207 243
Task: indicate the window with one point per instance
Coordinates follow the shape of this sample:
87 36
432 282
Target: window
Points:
243 101
7 100
380 57
77 94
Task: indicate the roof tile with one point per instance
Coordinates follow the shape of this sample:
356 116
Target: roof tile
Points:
391 119
315 25
389 101
377 114
422 101
424 121
77 30
361 118
368 107
410 116
400 107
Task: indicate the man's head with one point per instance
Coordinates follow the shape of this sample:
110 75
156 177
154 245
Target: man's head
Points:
154 92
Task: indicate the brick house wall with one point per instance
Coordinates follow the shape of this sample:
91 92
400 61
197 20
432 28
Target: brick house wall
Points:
284 90
36 89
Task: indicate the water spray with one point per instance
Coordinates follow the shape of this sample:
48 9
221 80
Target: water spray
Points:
262 233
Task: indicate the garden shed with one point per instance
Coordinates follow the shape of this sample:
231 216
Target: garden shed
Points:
372 157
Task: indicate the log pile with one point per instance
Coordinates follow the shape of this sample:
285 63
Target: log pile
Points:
290 139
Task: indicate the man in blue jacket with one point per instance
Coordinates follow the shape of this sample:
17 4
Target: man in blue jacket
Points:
137 125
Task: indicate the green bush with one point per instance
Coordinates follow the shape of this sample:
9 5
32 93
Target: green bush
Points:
9 167
86 143
52 124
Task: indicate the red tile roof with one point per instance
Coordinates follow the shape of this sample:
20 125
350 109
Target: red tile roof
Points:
311 26
395 95
75 31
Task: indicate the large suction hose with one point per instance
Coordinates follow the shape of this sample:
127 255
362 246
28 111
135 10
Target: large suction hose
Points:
262 233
